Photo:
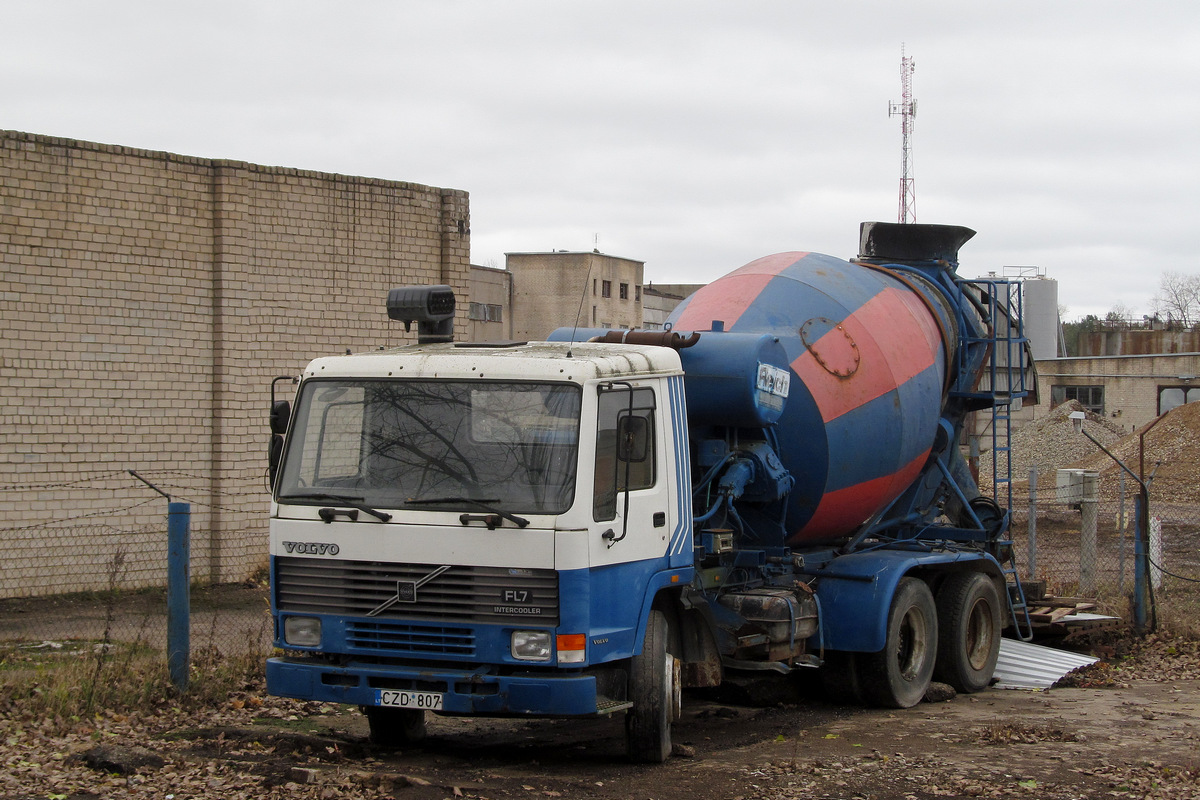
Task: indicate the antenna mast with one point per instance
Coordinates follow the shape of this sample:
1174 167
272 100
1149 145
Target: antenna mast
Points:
907 109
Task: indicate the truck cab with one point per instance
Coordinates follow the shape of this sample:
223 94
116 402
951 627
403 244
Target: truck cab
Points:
478 529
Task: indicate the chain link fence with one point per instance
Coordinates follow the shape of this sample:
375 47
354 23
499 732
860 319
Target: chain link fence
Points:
1080 540
86 566
116 595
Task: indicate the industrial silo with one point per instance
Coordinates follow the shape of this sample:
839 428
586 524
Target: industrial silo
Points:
1040 300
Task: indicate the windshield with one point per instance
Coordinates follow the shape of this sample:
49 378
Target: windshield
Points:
386 442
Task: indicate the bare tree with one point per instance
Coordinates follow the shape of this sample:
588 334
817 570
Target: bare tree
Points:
1178 297
1118 314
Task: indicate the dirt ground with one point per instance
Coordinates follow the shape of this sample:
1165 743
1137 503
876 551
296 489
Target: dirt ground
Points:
1005 743
1138 739
1132 730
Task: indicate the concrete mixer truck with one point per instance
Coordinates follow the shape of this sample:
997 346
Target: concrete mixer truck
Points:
591 524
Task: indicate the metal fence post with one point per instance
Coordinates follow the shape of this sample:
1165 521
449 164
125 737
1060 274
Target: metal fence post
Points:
1088 502
1156 553
178 593
1139 565
1122 528
1031 551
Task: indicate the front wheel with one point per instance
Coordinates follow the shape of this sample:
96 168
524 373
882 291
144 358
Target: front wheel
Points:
898 676
395 727
654 689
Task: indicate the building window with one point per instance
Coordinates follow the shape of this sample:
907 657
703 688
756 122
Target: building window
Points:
637 293
593 315
485 312
1170 397
593 287
624 291
1090 397
606 289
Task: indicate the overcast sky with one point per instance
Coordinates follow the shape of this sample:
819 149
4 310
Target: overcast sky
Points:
694 136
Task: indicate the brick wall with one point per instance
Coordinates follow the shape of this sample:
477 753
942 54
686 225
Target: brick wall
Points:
148 300
1131 384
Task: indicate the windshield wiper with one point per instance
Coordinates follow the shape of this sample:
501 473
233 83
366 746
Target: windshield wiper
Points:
483 504
341 499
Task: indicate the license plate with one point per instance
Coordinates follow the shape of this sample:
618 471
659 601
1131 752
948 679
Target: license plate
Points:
427 701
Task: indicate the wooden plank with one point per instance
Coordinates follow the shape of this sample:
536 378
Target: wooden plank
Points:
1064 602
1059 613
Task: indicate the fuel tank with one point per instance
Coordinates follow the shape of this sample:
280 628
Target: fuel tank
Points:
869 350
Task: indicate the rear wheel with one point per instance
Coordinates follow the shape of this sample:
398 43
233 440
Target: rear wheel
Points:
655 692
395 727
968 607
898 676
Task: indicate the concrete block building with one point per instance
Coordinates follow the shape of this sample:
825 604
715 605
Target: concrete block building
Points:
148 301
561 289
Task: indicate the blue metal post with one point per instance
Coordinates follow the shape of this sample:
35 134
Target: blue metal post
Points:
1139 566
178 593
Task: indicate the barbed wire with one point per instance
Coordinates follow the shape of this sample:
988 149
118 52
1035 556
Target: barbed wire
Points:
53 525
63 485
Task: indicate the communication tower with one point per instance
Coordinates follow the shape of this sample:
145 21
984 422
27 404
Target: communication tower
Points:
907 109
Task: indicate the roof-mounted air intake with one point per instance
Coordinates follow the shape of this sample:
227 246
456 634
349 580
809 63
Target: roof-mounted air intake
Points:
431 307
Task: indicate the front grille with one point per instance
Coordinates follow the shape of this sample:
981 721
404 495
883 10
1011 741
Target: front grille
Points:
459 594
395 637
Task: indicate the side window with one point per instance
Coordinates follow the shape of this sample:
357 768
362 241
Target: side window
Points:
625 448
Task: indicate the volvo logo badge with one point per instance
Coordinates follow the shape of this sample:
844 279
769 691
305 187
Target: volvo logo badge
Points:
406 592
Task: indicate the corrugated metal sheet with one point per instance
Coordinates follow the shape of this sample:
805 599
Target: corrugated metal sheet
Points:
1032 666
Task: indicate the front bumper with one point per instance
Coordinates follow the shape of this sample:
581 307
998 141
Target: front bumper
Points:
467 692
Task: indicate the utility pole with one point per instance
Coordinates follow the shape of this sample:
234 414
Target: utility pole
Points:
907 110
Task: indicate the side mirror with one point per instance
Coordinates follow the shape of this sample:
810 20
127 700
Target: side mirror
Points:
274 454
281 413
633 438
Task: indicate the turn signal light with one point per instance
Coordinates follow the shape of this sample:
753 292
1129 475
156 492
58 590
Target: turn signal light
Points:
571 648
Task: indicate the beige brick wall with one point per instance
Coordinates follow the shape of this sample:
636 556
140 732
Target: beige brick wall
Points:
148 300
1131 383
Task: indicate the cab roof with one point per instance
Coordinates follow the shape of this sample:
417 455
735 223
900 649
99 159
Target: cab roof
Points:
577 362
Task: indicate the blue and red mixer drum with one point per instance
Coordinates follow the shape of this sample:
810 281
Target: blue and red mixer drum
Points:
869 371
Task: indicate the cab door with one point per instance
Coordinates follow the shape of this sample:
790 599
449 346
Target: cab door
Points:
632 487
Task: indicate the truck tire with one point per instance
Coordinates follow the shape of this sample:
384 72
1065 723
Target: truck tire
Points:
898 676
655 692
395 727
968 606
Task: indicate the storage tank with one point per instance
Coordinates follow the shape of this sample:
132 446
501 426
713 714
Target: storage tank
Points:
1040 296
869 350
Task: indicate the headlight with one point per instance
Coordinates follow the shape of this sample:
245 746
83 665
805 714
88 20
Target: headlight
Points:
302 631
531 645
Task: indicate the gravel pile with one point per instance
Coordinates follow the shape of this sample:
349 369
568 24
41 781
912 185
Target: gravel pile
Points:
1051 444
1172 453
1172 457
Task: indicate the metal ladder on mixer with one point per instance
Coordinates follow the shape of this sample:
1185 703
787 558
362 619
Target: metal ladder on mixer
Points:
1006 374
